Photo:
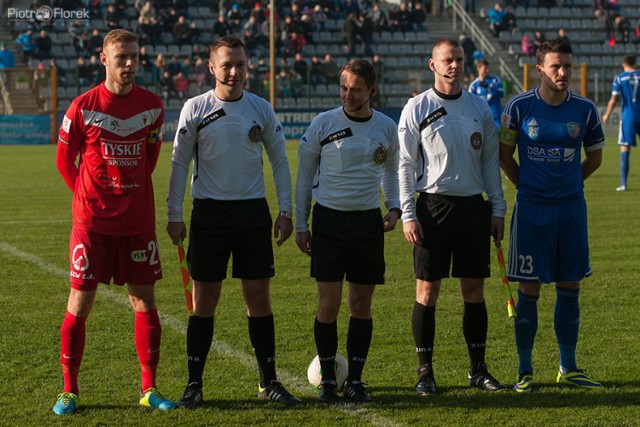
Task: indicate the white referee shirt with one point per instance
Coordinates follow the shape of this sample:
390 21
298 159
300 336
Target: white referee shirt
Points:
449 146
342 161
224 139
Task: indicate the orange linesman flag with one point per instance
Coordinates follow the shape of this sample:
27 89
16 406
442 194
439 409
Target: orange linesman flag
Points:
186 280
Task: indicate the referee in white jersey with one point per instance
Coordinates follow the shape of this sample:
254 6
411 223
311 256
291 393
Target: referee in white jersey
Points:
223 132
344 157
449 154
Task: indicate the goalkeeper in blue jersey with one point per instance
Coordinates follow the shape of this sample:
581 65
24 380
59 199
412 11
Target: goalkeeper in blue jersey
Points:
550 126
625 87
488 87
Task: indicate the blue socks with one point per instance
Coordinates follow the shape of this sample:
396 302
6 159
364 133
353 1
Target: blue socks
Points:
624 167
566 323
526 326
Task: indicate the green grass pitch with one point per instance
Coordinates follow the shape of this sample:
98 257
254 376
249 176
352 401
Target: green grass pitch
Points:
34 228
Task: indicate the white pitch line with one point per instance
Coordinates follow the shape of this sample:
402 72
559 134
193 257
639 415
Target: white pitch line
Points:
36 221
298 384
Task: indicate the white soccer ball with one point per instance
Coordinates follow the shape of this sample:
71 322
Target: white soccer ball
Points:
314 371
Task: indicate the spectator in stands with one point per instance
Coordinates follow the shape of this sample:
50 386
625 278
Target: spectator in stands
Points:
378 67
188 69
538 39
167 19
155 30
148 11
316 72
509 20
201 69
112 17
319 17
297 42
25 39
195 34
7 60
419 16
222 28
181 6
96 71
379 18
95 42
301 67
350 32
161 65
496 19
330 70
166 86
181 86
121 6
234 17
307 27
283 84
528 48
562 35
43 45
145 60
198 52
489 87
94 8
469 47
84 75
365 31
181 31
258 13
61 73
174 66
623 29
403 19
77 27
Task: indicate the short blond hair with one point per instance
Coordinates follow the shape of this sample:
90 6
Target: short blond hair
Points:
119 36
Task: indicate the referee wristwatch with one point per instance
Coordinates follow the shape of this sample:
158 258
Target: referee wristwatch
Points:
398 210
285 214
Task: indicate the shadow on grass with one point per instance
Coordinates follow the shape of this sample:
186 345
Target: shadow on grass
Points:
544 395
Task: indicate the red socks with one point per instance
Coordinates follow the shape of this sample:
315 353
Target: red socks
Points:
72 334
147 335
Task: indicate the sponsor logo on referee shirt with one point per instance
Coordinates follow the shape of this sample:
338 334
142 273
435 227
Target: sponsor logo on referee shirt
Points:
211 118
434 116
337 136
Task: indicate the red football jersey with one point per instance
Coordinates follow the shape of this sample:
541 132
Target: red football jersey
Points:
118 141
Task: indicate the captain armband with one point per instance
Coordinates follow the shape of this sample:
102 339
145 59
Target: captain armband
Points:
154 136
508 136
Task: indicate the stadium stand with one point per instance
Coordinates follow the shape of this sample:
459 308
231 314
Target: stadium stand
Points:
403 53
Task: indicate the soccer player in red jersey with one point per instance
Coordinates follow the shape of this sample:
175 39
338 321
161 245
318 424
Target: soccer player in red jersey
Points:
114 129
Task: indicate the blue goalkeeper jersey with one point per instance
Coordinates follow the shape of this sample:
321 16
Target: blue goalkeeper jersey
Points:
491 91
549 140
626 85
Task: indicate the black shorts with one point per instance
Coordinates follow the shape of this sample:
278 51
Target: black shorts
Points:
347 243
454 227
221 228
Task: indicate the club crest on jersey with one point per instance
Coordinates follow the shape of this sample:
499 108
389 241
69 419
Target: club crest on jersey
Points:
380 156
574 129
139 255
532 128
79 258
255 133
476 140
